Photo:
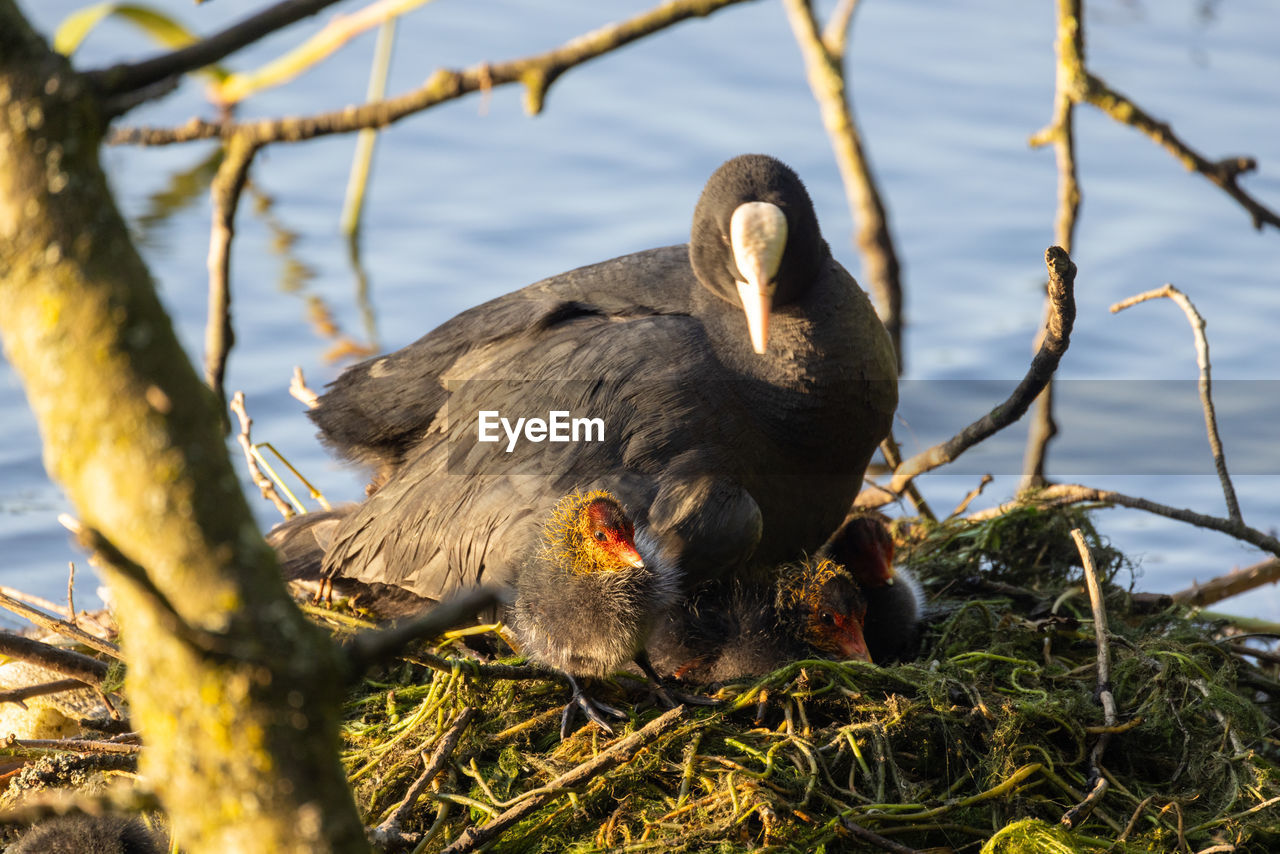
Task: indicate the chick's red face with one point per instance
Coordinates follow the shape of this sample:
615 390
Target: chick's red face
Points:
610 531
835 623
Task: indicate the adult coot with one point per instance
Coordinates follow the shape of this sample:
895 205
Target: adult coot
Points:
730 392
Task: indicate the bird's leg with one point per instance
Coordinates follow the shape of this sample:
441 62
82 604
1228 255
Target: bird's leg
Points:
642 659
591 708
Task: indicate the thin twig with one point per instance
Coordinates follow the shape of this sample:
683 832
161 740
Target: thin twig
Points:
62 627
970 496
1232 584
225 191
1082 810
618 752
68 745
88 670
1205 385
389 830
265 485
71 592
536 73
104 554
893 458
1062 275
876 839
17 695
299 389
128 77
873 239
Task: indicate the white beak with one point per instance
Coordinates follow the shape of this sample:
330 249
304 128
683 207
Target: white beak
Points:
758 235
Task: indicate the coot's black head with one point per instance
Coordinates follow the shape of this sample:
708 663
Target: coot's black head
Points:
755 240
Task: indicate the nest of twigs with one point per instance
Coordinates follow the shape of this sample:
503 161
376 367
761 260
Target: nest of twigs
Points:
986 741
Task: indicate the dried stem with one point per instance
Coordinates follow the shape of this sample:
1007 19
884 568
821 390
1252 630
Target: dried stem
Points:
1082 810
972 494
1205 385
827 81
265 485
1062 275
617 753
62 627
536 73
227 185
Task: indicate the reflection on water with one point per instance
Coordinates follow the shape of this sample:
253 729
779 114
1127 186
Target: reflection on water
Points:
465 205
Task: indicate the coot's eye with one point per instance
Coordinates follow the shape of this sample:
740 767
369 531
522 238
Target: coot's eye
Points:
826 619
600 536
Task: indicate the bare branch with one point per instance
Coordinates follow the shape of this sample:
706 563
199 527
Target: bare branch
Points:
893 458
1205 384
389 830
537 73
873 239
882 842
265 485
1062 276
617 753
129 77
227 185
62 627
835 34
970 496
1063 494
1231 584
17 695
88 670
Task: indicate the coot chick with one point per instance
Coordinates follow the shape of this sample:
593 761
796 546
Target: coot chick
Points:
742 382
894 598
586 600
88 834
814 609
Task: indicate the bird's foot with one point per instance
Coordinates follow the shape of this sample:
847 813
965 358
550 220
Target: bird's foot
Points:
595 710
669 698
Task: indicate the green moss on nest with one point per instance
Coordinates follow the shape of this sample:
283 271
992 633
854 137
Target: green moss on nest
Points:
983 741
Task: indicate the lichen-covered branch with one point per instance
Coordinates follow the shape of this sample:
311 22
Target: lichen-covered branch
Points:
827 81
536 73
244 743
1062 275
88 670
1205 384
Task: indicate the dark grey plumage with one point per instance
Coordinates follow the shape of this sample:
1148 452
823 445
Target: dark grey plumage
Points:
86 834
814 609
729 458
894 599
